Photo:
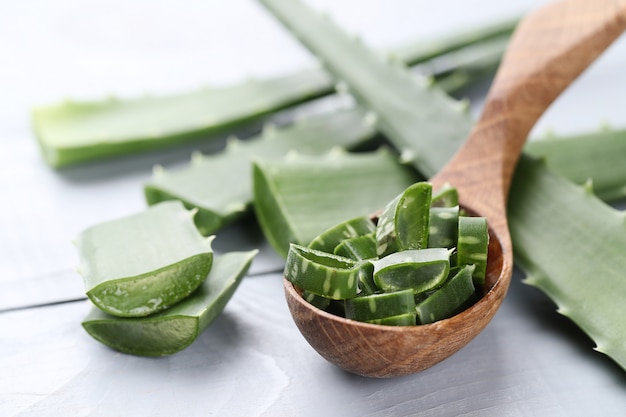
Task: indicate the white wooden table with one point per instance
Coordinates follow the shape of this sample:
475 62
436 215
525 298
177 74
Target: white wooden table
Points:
528 362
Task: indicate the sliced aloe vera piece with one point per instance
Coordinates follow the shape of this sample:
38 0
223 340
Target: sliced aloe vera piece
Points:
321 273
407 319
378 306
472 246
403 224
443 227
358 248
454 296
328 240
144 263
176 328
598 156
446 196
301 196
420 270
220 197
421 121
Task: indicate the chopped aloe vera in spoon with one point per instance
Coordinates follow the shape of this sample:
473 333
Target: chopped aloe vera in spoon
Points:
456 294
146 262
443 227
176 328
328 240
403 224
420 270
322 273
377 306
473 243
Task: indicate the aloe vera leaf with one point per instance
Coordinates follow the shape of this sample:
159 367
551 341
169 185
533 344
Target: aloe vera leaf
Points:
358 248
446 196
421 121
472 246
598 156
328 240
299 197
456 294
418 269
206 183
73 132
571 246
143 263
378 306
407 319
174 329
403 223
322 273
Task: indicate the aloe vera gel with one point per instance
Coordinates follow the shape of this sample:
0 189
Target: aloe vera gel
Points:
419 263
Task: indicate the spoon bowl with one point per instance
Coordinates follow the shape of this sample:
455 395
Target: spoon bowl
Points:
548 50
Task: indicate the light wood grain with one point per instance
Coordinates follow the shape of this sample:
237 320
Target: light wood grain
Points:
550 48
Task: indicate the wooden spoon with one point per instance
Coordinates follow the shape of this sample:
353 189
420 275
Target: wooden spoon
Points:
549 49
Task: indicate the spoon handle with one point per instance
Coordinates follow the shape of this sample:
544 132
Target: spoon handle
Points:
547 52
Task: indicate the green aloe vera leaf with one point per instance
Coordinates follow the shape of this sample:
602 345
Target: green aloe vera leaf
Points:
328 240
378 306
598 156
443 227
358 248
421 121
407 319
317 300
472 246
299 197
454 296
221 198
143 263
73 132
322 273
418 269
403 223
571 246
174 329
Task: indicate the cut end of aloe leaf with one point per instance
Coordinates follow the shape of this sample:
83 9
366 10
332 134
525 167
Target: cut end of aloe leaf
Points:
174 329
146 262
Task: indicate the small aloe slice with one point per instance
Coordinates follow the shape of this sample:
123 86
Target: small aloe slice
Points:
420 270
473 243
446 196
176 328
322 273
207 183
287 193
144 263
407 319
456 294
353 228
403 224
443 227
358 248
379 306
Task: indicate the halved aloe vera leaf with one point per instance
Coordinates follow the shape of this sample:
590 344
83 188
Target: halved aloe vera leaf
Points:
176 328
322 273
206 184
446 196
145 262
443 227
472 246
300 196
455 295
420 270
328 240
403 224
378 306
